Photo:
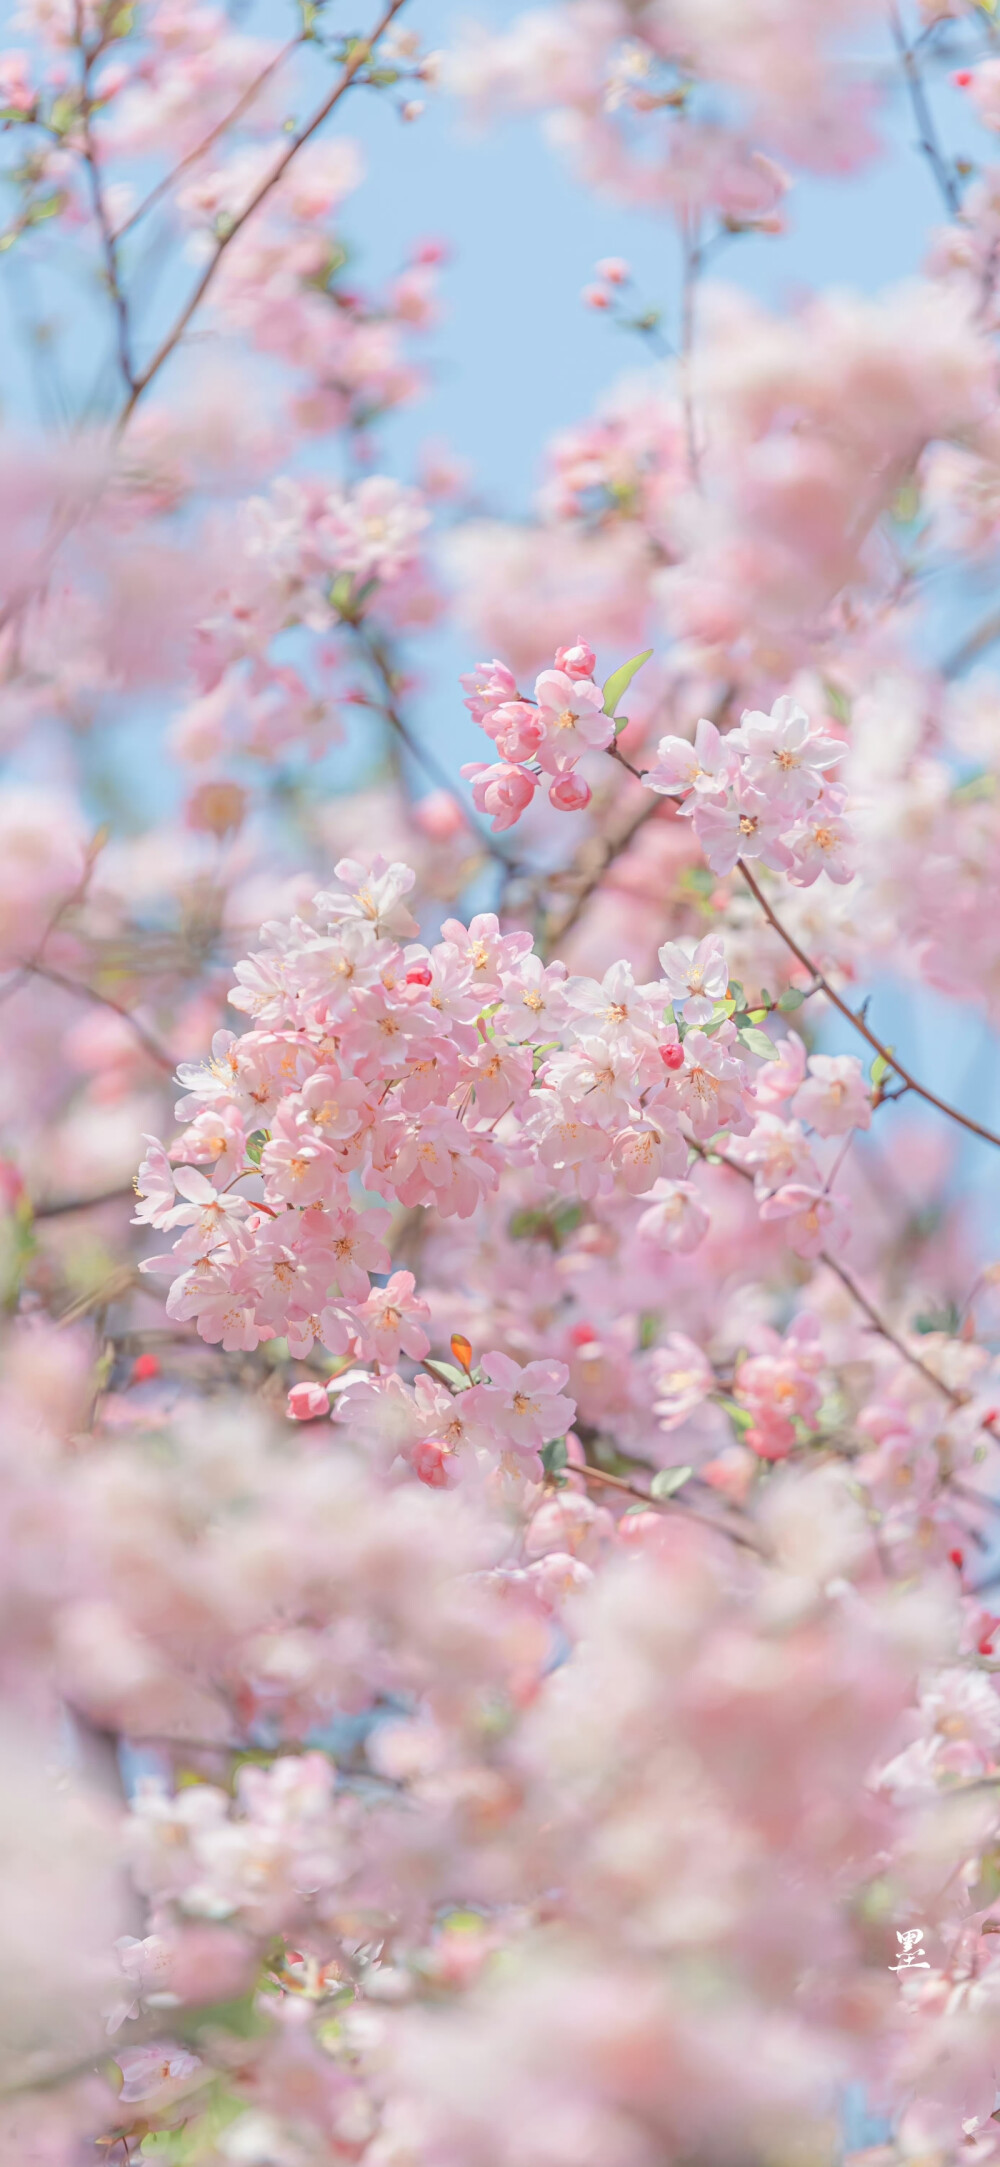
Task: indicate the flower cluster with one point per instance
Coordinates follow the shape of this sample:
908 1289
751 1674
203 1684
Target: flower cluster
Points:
762 792
382 1072
544 736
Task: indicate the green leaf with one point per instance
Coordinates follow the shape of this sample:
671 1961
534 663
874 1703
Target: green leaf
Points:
554 1456
757 1015
880 1067
738 1416
340 592
791 999
837 701
946 1319
668 1480
63 113
255 1144
620 680
449 1373
46 207
758 1042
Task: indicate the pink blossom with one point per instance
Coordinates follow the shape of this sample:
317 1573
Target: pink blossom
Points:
812 1219
695 981
683 1379
391 1317
526 1405
748 826
835 1097
502 791
571 710
706 765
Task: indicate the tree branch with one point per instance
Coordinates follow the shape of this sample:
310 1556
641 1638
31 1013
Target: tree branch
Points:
927 136
169 181
108 249
822 985
360 56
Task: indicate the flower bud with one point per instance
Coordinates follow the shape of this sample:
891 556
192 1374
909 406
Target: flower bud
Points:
569 793
306 1402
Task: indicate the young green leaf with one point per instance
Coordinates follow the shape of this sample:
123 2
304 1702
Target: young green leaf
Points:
668 1480
620 680
790 999
758 1042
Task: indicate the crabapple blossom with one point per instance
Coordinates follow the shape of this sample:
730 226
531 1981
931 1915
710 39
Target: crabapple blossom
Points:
499 1618
834 1097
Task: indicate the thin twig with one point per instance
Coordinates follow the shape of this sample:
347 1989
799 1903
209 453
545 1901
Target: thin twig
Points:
169 181
612 849
360 56
927 137
984 635
852 1016
61 1207
108 248
381 665
663 1504
877 1322
879 1325
151 1045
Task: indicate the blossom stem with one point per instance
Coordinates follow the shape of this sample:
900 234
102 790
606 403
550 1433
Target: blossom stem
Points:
822 985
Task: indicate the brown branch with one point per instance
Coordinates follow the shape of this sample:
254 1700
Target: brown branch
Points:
62 1206
150 1044
877 1322
388 705
612 849
360 56
664 1504
169 181
822 985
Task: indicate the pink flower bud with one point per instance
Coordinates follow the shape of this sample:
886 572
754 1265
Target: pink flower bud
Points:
577 661
306 1402
614 270
430 1461
439 816
569 793
672 1056
595 297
